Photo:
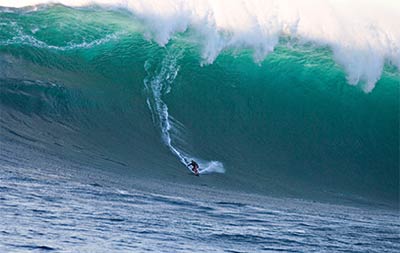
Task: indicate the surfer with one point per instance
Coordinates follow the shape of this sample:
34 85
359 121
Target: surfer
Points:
195 167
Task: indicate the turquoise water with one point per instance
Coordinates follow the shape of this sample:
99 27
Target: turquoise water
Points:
291 121
91 87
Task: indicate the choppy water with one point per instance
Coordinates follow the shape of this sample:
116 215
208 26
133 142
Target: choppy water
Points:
49 211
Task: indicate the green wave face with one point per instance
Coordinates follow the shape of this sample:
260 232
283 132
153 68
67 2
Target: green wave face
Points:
289 124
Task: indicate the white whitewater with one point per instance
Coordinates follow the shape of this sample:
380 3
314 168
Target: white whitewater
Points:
363 35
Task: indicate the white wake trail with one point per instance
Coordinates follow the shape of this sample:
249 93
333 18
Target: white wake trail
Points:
157 84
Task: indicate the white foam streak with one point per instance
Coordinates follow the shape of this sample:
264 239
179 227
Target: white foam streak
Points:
363 34
158 83
30 40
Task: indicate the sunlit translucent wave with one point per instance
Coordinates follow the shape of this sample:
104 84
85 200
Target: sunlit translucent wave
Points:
363 35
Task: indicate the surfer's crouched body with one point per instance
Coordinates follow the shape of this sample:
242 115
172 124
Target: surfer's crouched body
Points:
195 167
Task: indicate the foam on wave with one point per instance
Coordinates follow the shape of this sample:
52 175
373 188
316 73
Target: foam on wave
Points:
363 35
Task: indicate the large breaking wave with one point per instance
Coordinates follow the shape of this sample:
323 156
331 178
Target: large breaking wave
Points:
259 88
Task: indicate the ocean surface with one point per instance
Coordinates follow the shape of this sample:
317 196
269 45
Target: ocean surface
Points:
51 211
291 113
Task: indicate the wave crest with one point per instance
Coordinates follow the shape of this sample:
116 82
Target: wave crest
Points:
362 42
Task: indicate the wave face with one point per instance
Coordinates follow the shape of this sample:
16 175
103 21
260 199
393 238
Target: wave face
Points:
261 94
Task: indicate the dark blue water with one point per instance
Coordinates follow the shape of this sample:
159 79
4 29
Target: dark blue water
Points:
72 209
